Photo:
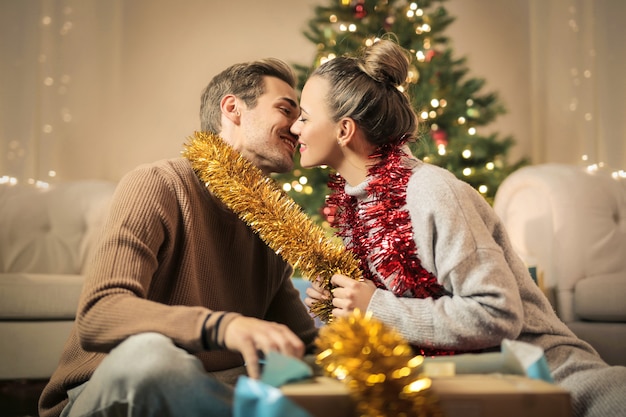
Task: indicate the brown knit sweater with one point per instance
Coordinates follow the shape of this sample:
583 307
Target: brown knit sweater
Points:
170 254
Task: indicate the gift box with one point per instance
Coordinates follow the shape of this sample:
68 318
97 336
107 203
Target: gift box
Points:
467 395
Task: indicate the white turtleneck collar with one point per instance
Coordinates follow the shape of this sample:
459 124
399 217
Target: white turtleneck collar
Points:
359 191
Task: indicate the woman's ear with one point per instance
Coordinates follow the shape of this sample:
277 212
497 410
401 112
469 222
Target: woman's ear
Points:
345 131
230 108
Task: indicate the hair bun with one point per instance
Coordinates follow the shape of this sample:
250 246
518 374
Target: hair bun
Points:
387 62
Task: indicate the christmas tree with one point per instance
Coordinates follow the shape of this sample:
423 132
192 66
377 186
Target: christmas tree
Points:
451 106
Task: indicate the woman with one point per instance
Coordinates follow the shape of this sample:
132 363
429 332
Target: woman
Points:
439 266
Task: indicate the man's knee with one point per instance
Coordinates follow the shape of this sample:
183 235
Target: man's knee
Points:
144 360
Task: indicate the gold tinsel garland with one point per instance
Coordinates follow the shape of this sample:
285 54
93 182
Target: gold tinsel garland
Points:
378 366
271 213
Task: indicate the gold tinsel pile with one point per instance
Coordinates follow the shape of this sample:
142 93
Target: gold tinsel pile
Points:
270 212
378 367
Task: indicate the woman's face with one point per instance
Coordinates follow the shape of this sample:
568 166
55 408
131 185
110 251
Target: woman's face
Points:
315 128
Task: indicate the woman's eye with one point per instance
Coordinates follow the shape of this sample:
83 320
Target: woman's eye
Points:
302 119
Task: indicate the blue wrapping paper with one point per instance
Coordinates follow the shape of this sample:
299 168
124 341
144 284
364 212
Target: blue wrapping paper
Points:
263 398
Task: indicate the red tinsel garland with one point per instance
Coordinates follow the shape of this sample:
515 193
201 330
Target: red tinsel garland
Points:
380 231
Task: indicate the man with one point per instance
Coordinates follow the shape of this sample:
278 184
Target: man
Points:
181 293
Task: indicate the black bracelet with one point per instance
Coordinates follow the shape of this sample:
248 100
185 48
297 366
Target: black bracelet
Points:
216 330
205 342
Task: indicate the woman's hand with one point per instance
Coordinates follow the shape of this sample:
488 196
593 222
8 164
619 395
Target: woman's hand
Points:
350 294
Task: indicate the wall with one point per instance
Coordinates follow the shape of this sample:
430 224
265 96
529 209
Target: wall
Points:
124 77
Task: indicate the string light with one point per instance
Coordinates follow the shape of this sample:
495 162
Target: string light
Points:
52 85
5 179
327 58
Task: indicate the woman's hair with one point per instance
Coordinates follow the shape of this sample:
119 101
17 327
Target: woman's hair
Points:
246 82
365 88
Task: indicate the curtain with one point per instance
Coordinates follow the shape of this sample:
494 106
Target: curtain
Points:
578 88
58 75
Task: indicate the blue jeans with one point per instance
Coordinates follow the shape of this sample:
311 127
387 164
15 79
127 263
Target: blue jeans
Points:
147 375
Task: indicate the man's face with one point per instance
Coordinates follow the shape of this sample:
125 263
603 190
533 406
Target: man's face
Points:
265 137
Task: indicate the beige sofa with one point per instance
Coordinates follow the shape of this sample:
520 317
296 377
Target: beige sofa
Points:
570 223
45 239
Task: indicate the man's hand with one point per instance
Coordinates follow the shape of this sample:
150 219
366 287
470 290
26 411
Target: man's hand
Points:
316 293
249 336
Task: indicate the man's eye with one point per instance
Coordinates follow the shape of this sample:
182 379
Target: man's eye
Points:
286 110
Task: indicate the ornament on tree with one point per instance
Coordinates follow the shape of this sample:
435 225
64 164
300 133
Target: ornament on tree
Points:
359 9
440 137
329 213
378 367
388 23
473 112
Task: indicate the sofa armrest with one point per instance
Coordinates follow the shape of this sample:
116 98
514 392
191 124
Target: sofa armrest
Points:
568 221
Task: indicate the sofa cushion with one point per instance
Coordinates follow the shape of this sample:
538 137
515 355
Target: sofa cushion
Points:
601 298
39 296
49 230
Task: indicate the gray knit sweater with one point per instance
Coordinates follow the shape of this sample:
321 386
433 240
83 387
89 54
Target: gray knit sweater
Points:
461 240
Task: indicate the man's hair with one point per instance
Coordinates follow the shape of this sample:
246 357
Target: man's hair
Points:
246 82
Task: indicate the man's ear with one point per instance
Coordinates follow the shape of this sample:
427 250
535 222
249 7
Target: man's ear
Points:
229 105
346 128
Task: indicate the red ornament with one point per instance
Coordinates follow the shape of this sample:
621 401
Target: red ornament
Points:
359 10
328 212
440 137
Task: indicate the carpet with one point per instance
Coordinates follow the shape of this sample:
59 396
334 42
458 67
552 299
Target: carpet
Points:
19 398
